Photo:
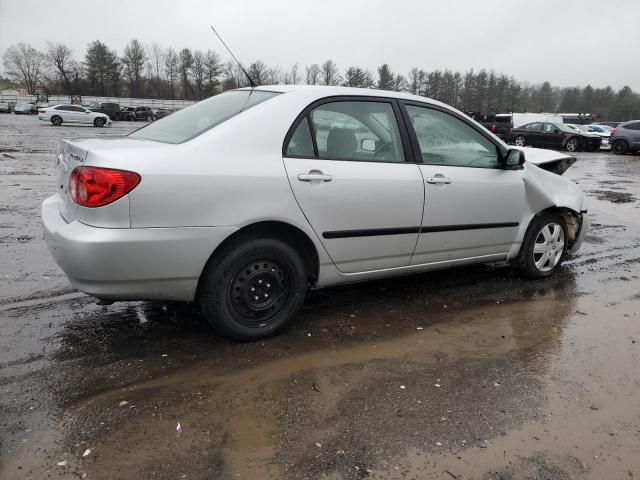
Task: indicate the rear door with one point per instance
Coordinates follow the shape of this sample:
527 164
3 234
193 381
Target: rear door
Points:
473 206
350 168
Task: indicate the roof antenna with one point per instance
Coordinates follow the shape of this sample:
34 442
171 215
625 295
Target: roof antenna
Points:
251 82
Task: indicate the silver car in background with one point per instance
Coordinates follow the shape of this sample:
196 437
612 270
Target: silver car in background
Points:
245 200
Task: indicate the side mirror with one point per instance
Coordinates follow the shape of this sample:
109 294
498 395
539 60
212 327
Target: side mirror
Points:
368 145
514 159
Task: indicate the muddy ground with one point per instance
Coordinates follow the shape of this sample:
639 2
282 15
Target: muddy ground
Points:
472 373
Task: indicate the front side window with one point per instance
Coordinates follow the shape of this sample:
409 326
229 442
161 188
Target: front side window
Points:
549 128
196 119
357 130
446 140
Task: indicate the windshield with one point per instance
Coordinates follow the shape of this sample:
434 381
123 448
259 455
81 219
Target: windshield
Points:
202 116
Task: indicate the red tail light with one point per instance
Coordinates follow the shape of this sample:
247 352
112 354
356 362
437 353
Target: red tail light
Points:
613 131
493 128
95 187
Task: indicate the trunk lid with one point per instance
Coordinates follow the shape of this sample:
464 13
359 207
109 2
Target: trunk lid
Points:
70 155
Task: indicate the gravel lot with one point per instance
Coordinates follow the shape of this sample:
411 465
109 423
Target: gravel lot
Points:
472 373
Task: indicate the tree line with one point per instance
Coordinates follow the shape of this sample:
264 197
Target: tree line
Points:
153 71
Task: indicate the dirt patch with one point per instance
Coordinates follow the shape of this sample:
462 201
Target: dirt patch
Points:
613 196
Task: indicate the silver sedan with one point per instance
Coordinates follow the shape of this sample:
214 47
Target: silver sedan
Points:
244 201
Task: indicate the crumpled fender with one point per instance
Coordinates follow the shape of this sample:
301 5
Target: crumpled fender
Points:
544 189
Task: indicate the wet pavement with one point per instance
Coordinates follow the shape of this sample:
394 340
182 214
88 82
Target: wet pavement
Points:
471 373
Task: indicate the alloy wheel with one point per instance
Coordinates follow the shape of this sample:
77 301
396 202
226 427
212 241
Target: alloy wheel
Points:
520 141
548 247
572 145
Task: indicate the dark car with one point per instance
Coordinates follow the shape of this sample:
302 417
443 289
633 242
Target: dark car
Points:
500 125
554 135
161 112
127 113
143 113
626 137
112 110
25 109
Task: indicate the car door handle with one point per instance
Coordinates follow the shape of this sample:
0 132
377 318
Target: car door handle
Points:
439 179
314 176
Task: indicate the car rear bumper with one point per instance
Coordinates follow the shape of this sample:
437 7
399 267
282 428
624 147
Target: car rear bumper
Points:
130 263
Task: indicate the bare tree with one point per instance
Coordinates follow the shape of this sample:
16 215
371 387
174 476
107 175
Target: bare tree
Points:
171 70
199 73
24 63
213 69
330 74
185 58
134 58
60 60
313 74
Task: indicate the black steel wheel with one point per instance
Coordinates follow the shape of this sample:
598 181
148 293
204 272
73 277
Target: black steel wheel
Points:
253 289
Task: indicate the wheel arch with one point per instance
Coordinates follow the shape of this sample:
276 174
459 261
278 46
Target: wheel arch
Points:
286 232
572 219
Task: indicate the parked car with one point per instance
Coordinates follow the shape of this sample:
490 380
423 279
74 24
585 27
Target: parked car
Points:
59 114
4 107
556 135
246 227
626 137
597 130
498 125
25 109
112 110
161 112
127 113
608 124
144 113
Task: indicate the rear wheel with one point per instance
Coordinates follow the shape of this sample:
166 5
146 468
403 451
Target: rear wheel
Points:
544 246
520 141
56 120
620 147
99 122
573 144
253 289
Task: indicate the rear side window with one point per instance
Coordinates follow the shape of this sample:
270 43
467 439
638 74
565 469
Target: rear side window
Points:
301 144
196 119
633 126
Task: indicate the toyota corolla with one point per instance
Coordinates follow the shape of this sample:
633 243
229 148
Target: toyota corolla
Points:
244 201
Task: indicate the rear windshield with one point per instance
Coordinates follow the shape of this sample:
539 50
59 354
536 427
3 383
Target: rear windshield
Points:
192 121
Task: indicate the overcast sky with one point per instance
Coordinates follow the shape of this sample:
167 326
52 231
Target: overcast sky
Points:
566 42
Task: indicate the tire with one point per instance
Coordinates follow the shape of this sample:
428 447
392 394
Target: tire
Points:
99 122
253 288
620 147
541 255
520 141
573 144
56 120
149 118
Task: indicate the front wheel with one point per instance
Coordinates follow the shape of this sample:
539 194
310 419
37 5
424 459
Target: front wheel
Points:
99 122
149 118
544 246
56 120
520 141
620 147
253 289
573 144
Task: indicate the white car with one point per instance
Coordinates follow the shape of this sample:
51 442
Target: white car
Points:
244 201
596 130
59 114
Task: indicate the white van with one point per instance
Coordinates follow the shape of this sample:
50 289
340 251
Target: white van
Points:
519 119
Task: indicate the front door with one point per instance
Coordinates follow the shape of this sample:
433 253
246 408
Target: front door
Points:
362 195
552 135
473 206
